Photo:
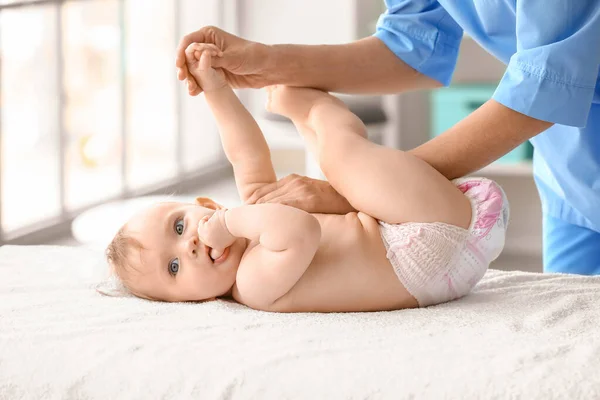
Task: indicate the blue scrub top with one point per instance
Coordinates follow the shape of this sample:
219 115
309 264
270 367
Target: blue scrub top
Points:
552 52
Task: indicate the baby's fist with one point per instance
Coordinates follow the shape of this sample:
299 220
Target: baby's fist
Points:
199 58
213 232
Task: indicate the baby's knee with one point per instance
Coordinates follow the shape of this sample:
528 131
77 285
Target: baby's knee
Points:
330 112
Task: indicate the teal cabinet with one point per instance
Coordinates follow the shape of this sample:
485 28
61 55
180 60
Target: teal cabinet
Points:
452 104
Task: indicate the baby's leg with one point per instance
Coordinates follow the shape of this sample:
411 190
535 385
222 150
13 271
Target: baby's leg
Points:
388 184
282 100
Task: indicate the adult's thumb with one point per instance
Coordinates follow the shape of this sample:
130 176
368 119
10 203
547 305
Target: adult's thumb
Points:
229 60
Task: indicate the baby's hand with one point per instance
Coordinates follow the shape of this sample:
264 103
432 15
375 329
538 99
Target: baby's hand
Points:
199 57
213 232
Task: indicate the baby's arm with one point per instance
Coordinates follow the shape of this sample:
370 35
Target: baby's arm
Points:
288 240
243 141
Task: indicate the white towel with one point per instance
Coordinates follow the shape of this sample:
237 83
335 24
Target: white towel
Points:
518 336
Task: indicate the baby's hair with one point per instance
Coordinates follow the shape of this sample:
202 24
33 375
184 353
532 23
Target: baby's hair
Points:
118 255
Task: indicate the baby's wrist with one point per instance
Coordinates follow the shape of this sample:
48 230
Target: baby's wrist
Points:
223 219
216 89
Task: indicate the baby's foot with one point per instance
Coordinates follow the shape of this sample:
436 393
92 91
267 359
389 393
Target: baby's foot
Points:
295 102
198 58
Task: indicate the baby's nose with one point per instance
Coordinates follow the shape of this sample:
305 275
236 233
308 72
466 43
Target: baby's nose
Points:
192 245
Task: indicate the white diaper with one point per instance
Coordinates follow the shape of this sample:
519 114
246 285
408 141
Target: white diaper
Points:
438 262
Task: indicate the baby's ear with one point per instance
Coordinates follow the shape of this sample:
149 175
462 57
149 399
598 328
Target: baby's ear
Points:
208 203
113 287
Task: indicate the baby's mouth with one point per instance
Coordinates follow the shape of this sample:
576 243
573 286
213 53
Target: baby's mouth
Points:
209 253
217 257
209 250
214 255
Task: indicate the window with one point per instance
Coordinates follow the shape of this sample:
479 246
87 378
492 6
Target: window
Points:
91 109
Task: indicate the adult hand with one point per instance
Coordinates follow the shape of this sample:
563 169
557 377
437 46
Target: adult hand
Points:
310 195
242 61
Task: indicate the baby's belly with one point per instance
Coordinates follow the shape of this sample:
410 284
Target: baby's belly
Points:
350 272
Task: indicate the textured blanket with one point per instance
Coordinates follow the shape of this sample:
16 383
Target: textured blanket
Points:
518 335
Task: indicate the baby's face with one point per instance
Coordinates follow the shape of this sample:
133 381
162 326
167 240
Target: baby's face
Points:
174 264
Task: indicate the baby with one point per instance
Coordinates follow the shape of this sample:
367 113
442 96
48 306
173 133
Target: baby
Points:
417 239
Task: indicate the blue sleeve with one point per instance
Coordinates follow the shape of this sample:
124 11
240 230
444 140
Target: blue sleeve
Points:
553 73
423 35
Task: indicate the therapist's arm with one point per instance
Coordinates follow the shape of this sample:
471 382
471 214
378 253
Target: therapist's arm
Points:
364 66
487 134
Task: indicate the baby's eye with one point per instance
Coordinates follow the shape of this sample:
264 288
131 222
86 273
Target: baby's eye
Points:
179 226
174 266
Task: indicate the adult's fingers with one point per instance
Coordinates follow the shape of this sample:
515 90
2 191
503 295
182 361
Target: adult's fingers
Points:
192 86
270 187
198 36
204 35
270 197
296 200
202 47
284 199
196 91
261 191
180 63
